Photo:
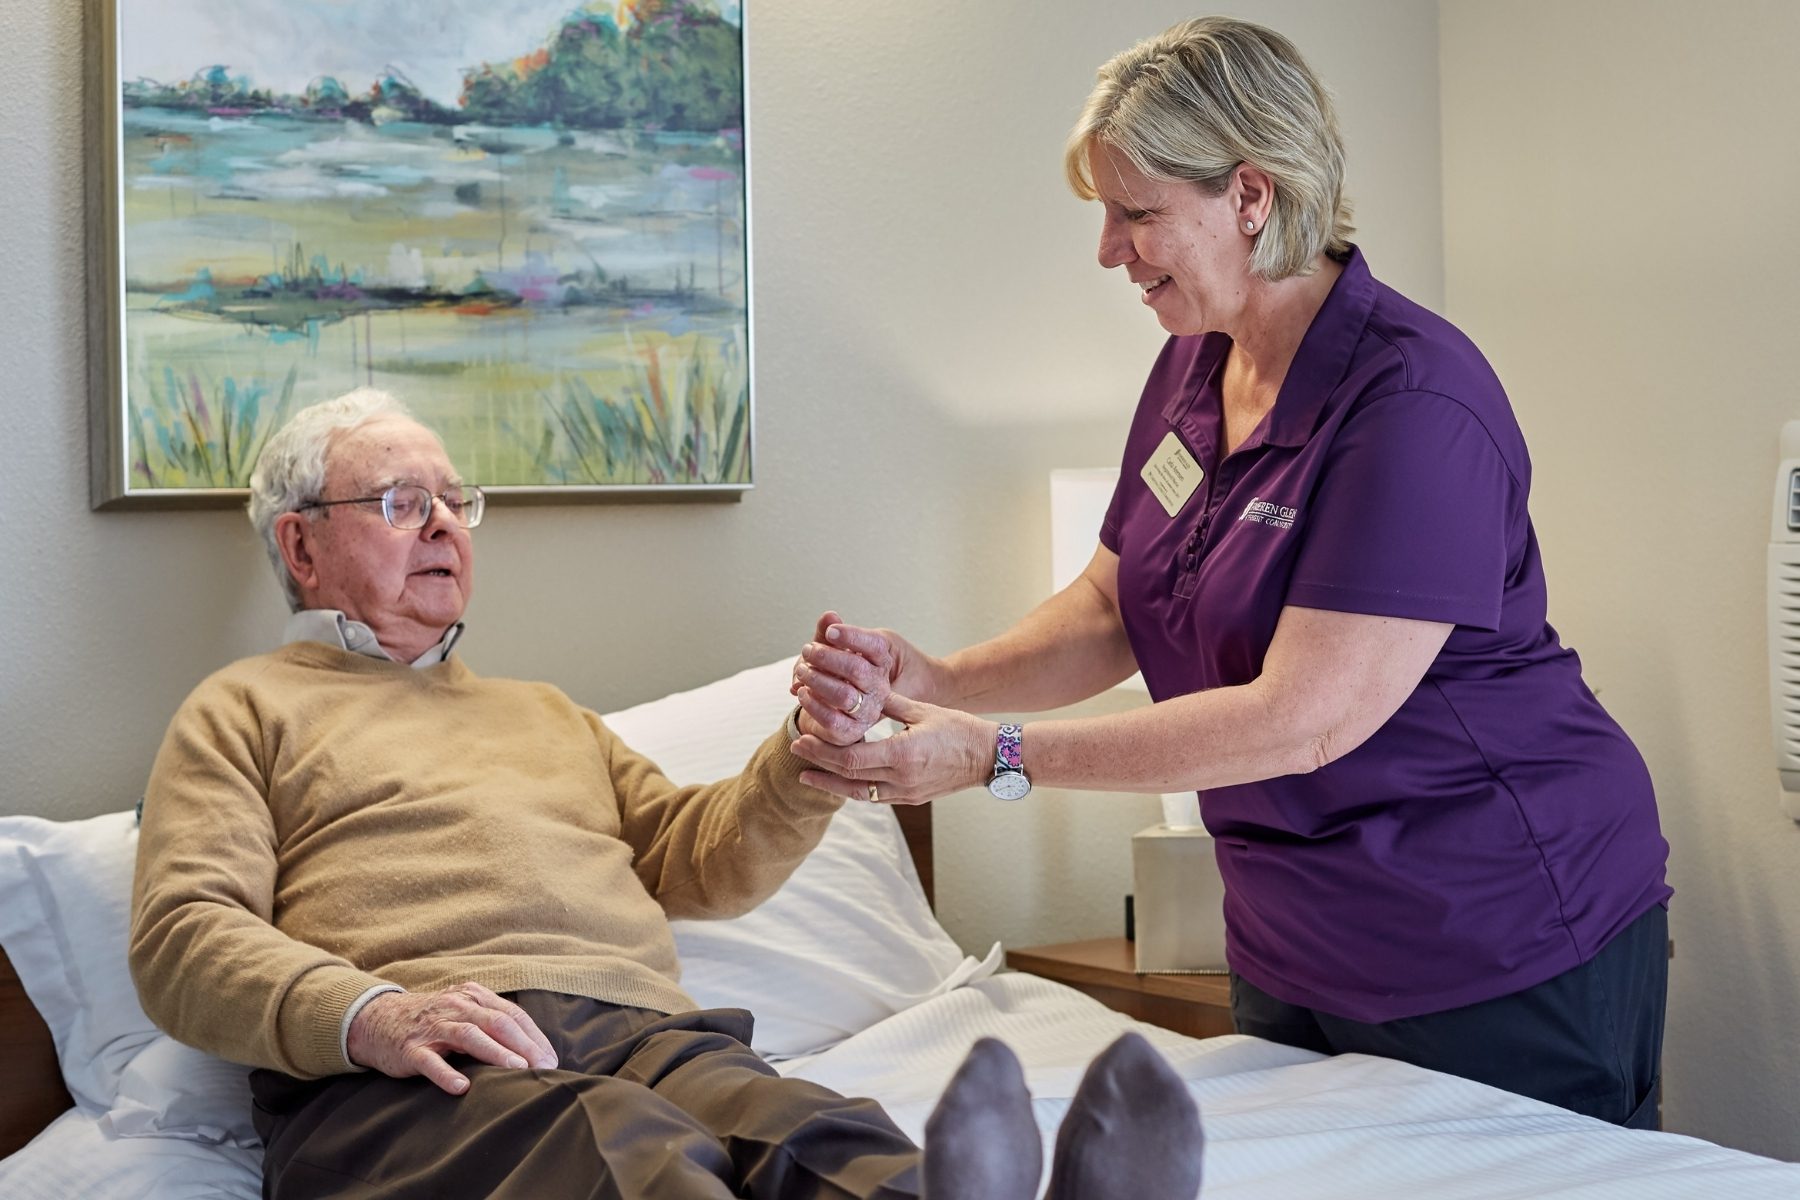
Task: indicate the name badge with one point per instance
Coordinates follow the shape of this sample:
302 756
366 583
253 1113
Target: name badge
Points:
1172 474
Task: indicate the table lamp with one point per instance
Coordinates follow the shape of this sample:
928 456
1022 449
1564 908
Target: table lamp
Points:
1078 500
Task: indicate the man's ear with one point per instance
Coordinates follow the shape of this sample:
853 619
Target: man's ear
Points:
294 538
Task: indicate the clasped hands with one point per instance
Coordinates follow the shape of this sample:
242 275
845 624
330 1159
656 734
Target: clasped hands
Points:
848 678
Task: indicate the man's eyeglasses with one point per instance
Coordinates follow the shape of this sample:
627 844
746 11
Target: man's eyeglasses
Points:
408 506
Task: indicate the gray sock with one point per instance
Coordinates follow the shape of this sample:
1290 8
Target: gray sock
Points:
981 1142
1132 1131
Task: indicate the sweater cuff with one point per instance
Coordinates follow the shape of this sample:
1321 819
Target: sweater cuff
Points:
869 734
313 1020
778 769
356 1006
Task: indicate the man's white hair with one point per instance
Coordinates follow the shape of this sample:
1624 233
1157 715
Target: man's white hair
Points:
290 471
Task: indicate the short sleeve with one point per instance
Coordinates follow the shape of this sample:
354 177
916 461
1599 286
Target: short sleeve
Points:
1412 516
1109 526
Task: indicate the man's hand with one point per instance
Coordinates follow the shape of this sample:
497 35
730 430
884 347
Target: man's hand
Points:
408 1033
844 675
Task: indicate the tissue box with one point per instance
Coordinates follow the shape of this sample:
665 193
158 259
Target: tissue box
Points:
1180 899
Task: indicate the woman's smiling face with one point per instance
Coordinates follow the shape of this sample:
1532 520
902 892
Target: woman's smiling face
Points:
1181 246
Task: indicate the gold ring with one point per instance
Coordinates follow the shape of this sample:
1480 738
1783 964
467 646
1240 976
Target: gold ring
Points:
851 711
874 794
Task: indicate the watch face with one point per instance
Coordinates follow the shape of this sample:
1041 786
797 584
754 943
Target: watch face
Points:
1009 785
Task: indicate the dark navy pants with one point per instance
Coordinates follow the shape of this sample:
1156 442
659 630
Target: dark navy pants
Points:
1589 1039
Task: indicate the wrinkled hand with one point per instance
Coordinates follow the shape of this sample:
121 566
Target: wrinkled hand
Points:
942 750
845 674
841 680
408 1033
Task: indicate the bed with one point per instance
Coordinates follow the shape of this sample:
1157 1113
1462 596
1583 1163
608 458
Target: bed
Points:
871 998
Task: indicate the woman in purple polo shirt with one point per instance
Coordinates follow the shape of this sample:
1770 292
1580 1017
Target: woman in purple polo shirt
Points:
1437 845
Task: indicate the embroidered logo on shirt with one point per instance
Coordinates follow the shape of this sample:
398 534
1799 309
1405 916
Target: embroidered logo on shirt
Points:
1265 513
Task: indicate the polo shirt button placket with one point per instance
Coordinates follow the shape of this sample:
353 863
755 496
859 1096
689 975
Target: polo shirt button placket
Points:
1189 576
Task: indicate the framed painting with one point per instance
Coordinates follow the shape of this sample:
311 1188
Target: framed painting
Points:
527 219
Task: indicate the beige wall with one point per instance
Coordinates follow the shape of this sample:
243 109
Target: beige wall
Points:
932 337
1621 189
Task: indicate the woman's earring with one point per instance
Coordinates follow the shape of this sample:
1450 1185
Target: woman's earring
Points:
1249 226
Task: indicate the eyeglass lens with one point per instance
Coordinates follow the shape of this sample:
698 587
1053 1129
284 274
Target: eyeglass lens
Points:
408 506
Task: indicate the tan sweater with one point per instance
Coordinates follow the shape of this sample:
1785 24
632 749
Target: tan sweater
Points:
319 822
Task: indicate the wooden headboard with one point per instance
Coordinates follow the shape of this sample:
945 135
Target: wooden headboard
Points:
915 827
31 1087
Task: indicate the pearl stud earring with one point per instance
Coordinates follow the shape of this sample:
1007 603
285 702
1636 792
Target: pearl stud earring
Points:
1249 226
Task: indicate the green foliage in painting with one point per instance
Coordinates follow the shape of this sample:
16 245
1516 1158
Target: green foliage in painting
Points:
182 439
682 416
678 67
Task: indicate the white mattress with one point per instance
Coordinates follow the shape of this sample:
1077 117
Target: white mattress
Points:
1281 1124
1286 1124
77 1157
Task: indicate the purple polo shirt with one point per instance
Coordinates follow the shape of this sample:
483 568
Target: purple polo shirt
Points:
1500 828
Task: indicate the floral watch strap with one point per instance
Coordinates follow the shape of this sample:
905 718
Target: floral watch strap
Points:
1007 756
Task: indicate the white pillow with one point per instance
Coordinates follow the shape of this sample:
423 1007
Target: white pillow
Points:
65 904
174 1090
848 939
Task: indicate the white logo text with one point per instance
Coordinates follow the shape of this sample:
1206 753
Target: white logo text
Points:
1263 512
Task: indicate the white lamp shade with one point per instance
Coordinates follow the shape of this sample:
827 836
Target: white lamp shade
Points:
1078 502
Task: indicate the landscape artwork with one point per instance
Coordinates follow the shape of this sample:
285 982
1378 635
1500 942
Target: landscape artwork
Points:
526 219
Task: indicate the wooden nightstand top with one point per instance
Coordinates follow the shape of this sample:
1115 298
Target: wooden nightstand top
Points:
1112 963
1106 969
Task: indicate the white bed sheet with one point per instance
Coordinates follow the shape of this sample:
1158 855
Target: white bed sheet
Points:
1286 1124
1281 1124
75 1156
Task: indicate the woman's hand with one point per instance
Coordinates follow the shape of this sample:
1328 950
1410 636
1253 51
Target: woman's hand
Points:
942 750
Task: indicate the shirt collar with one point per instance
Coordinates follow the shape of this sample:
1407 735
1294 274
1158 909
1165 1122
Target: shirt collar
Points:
332 627
1324 355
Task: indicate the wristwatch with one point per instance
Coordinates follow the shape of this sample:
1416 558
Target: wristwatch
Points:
1008 782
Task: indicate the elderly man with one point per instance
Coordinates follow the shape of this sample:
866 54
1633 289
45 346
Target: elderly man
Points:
432 908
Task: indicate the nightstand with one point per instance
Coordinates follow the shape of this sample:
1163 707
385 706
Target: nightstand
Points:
1104 968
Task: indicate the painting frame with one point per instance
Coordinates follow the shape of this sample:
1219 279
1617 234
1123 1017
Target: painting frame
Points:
113 422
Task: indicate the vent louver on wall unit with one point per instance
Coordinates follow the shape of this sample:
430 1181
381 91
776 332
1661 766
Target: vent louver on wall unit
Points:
1784 619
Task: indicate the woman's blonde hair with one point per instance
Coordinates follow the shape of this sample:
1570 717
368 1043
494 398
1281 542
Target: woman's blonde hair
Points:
1193 102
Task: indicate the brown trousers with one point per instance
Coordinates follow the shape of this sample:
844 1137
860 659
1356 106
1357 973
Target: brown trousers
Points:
643 1107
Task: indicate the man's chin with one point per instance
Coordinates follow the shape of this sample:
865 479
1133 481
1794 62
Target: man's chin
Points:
435 619
432 597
